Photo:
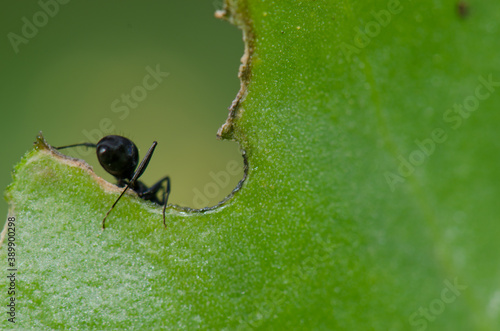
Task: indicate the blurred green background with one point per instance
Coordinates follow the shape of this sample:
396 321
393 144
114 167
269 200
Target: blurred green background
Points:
83 56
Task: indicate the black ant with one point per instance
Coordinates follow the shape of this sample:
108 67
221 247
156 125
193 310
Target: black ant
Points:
119 156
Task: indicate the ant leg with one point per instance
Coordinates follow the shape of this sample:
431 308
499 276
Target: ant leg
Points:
151 192
140 170
166 194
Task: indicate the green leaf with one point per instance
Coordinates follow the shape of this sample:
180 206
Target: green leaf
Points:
370 130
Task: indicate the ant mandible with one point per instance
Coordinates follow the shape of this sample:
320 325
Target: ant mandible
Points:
119 157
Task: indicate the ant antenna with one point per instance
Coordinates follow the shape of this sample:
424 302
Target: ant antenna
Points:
76 145
137 174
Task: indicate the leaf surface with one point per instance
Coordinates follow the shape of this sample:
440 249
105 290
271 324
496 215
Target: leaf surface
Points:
370 201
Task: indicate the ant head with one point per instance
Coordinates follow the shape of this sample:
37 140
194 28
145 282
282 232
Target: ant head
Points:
118 156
